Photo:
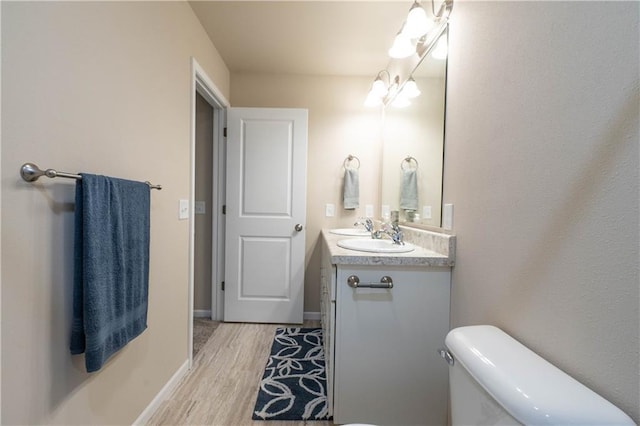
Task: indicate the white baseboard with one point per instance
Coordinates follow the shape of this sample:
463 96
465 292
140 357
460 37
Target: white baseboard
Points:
311 316
199 313
164 393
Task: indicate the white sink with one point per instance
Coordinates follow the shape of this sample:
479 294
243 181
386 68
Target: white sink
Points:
375 246
354 232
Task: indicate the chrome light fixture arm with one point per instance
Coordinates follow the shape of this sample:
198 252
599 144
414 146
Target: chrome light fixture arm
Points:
380 95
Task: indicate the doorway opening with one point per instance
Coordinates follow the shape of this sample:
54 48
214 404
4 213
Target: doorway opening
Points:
206 198
204 323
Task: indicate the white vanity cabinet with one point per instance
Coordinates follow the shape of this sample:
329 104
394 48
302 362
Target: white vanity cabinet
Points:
381 344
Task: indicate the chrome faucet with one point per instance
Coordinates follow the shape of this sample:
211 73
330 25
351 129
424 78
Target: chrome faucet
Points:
368 224
390 229
393 231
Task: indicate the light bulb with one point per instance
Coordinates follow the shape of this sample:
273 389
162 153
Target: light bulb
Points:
379 88
441 49
417 23
410 89
402 47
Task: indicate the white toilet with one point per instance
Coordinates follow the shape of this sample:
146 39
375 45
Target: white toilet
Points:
495 380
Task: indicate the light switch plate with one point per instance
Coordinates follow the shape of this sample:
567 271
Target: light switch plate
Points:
426 212
183 212
330 210
200 207
385 212
447 217
368 210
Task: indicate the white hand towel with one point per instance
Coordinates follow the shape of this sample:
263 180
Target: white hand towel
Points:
409 190
351 193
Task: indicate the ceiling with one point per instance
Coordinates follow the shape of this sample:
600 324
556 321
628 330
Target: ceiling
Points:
303 37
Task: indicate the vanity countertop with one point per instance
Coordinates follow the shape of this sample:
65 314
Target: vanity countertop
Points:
418 257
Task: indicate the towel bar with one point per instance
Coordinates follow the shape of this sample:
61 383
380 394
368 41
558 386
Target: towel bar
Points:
408 159
31 173
349 159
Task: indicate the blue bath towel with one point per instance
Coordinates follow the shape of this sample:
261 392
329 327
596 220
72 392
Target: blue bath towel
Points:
111 266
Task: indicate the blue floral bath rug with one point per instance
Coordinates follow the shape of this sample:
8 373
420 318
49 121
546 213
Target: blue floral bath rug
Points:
294 384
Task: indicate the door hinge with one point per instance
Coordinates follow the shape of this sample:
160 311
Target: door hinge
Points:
224 209
224 132
222 285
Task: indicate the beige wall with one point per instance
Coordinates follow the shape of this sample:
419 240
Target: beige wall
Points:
204 192
542 167
102 88
339 125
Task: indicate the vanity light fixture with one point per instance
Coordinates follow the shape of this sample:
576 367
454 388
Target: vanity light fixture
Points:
410 89
394 88
402 95
379 89
417 23
402 46
415 26
419 35
381 92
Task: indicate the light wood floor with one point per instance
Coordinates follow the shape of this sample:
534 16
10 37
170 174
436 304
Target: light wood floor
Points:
222 386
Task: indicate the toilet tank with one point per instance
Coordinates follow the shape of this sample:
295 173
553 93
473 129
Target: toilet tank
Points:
495 380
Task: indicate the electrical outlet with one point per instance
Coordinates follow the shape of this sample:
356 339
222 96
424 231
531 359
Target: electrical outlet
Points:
183 212
330 210
368 210
426 212
385 212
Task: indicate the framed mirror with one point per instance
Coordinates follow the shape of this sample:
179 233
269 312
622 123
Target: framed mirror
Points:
413 144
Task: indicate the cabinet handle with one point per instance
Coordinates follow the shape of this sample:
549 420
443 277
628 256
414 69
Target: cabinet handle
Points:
385 282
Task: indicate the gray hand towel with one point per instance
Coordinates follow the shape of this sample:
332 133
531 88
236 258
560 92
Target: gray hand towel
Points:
409 190
351 193
111 266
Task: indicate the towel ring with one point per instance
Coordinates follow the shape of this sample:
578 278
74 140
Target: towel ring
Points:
408 160
349 159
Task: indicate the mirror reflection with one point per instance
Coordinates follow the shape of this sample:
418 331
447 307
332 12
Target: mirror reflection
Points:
413 146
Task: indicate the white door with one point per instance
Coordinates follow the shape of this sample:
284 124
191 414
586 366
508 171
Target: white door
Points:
266 209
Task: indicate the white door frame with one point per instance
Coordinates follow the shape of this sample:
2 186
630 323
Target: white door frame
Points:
202 84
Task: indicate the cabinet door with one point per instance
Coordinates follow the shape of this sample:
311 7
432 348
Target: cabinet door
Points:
327 316
330 355
387 369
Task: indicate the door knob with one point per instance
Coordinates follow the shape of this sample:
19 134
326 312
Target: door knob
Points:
298 227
